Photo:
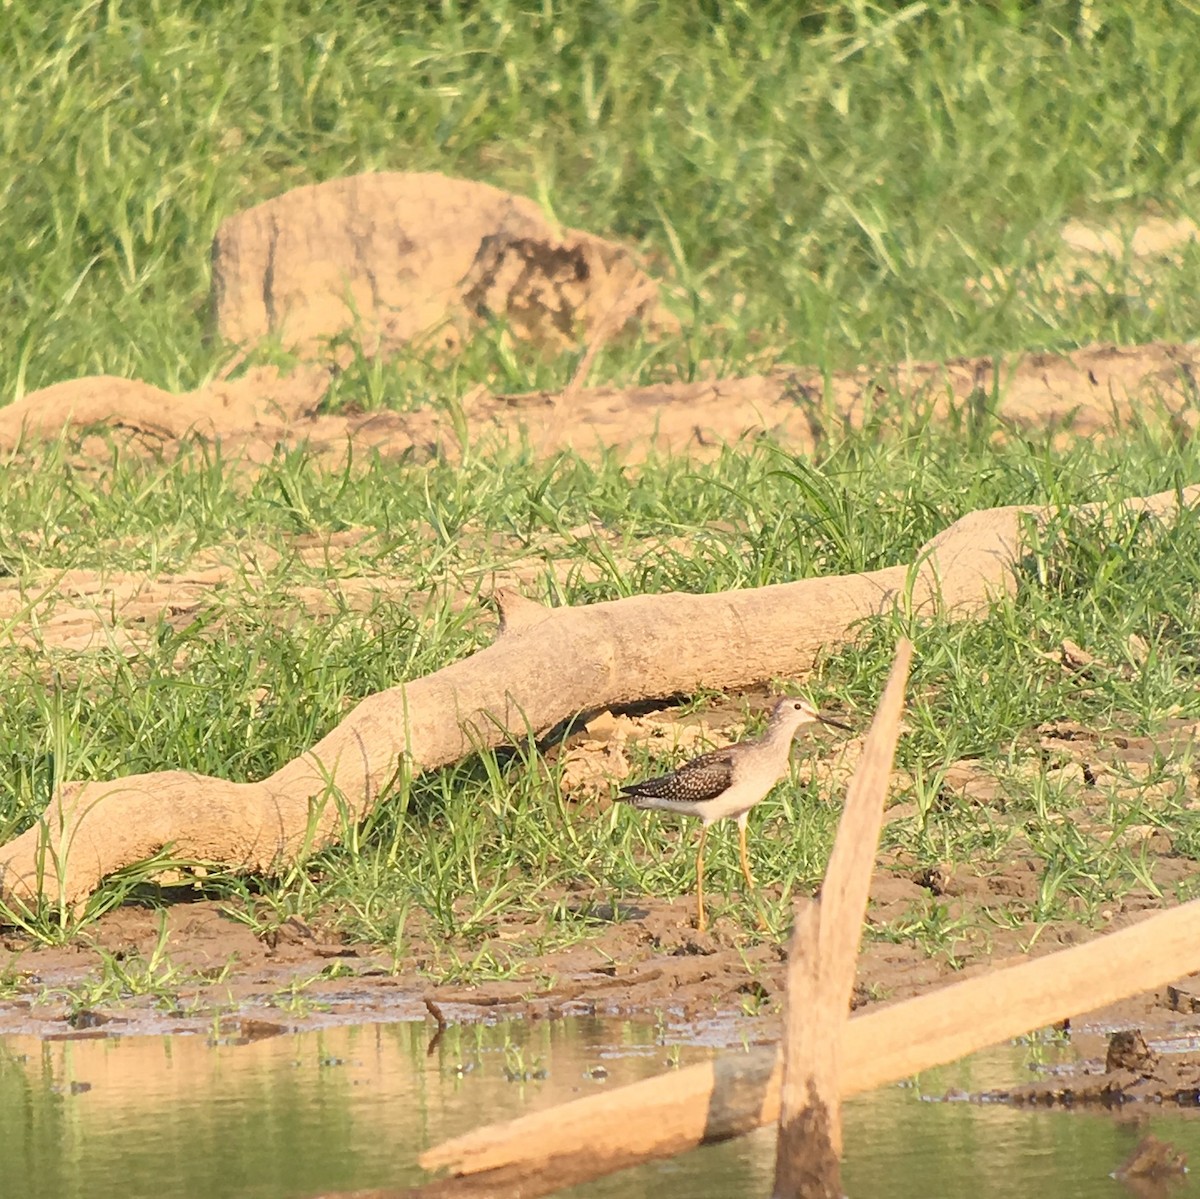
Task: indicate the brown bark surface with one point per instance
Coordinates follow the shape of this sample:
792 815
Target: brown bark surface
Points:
809 1145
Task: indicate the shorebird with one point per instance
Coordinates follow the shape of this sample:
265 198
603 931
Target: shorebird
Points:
728 782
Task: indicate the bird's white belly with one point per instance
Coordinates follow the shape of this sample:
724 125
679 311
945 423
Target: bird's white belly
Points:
738 799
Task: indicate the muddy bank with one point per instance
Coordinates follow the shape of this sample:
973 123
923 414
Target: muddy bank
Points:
194 968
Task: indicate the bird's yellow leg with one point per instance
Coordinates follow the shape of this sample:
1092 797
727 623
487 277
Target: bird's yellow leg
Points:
701 922
744 855
762 920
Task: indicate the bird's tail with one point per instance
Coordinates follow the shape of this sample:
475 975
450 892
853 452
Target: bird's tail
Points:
636 794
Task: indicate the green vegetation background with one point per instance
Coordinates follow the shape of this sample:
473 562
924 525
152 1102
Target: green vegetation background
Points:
819 184
823 182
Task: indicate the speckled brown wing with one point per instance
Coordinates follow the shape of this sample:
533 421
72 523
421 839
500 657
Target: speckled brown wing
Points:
701 779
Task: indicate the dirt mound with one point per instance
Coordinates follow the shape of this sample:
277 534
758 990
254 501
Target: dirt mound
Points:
641 956
1120 1067
1122 260
116 611
396 257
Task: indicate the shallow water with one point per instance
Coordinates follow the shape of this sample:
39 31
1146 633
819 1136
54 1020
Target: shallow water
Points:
347 1108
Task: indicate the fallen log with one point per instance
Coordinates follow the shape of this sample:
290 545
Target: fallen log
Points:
545 666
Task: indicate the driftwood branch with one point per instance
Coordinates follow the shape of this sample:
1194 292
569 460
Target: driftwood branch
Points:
545 666
738 1092
821 967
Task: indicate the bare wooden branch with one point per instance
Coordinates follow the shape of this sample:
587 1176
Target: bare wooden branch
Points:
738 1092
808 1151
821 967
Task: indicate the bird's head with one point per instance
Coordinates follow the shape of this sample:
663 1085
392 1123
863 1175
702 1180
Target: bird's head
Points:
793 712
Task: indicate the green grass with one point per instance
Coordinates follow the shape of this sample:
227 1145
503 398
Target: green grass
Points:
819 184
454 854
815 185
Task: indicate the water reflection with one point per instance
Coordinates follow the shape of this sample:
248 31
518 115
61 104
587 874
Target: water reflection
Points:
290 1115
908 1142
348 1108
